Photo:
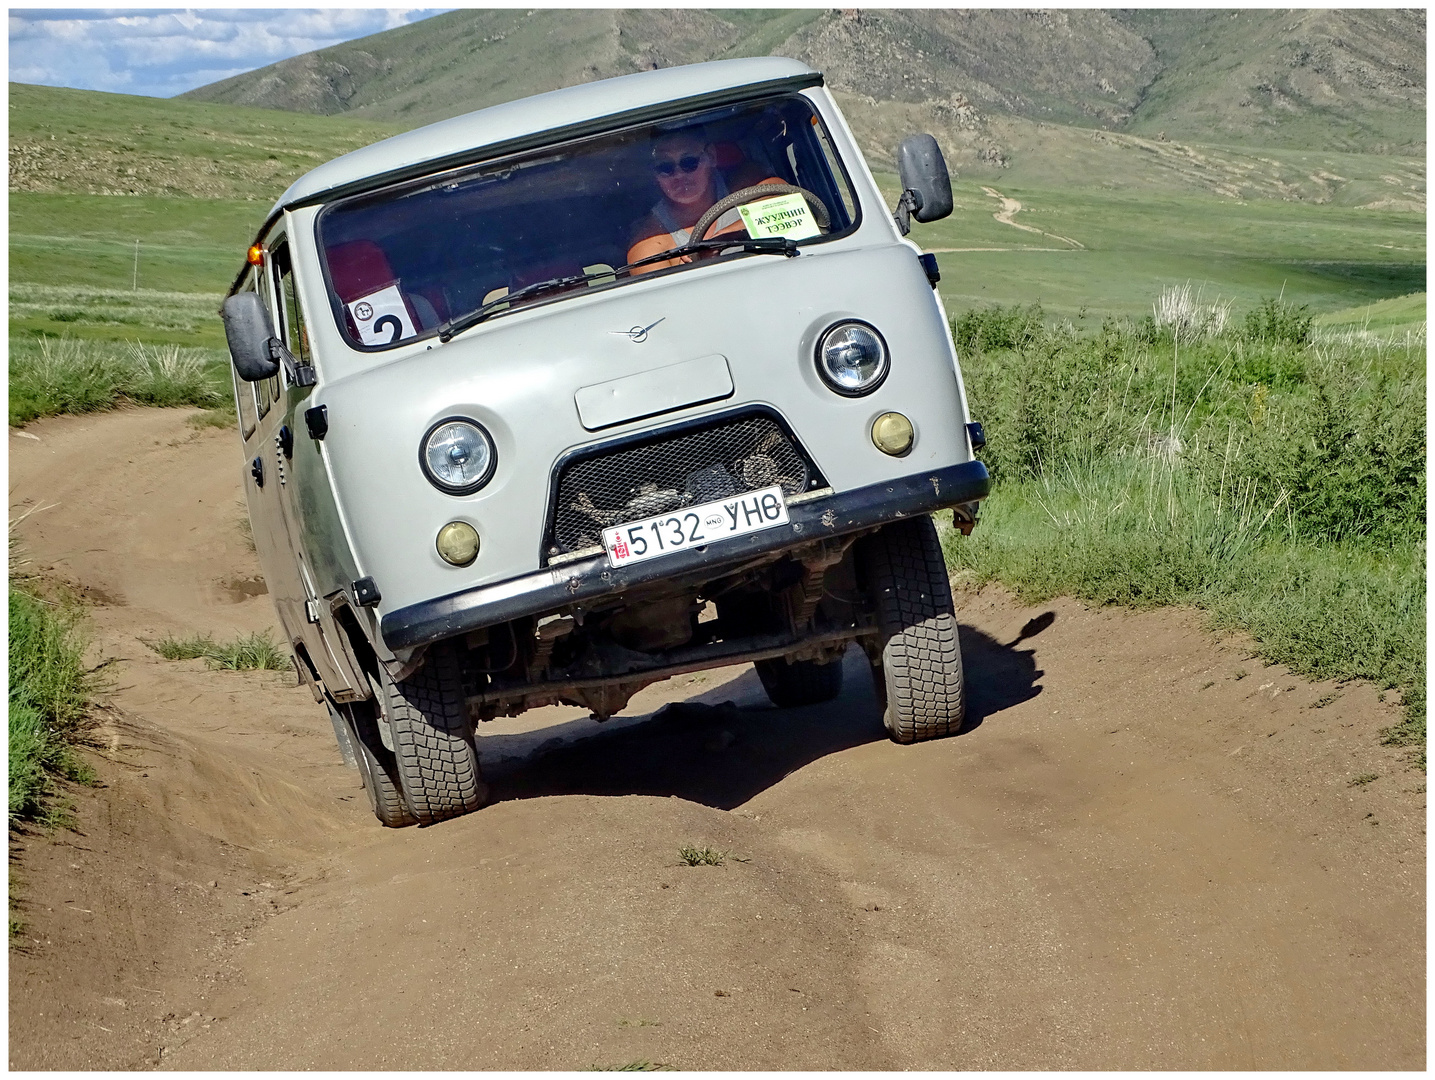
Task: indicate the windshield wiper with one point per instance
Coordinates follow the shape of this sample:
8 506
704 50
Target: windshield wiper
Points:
477 315
765 245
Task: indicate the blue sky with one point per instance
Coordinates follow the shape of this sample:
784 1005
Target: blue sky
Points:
160 52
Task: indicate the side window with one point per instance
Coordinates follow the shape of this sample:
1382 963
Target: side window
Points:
834 169
296 334
244 402
266 391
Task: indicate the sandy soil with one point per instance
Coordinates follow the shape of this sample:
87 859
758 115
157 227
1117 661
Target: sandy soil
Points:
1146 852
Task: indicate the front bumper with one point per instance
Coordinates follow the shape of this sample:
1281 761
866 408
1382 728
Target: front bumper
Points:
572 583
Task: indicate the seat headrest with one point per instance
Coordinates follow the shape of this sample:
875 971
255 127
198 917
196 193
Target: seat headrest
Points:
359 268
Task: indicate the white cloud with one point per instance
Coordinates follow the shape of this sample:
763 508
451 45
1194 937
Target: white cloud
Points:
165 52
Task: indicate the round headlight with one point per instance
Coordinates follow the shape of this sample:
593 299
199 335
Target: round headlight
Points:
852 358
457 456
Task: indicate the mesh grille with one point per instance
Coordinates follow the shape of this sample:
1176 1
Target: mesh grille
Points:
717 462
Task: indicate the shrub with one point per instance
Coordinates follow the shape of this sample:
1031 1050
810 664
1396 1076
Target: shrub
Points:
1275 320
999 328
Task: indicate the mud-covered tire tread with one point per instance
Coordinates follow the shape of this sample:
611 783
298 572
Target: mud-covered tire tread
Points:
921 656
433 740
805 682
377 767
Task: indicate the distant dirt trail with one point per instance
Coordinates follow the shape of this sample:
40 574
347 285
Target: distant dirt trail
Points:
1007 214
1146 852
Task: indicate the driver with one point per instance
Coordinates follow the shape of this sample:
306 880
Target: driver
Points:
685 167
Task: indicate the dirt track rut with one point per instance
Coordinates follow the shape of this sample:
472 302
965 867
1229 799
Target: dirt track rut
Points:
1145 854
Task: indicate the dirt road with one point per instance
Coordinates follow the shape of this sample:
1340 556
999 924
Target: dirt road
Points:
1007 216
1147 852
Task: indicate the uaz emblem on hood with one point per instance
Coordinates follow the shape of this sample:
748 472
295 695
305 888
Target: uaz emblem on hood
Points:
638 334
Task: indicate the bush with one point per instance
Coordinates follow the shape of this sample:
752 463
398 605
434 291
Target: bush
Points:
999 328
1275 320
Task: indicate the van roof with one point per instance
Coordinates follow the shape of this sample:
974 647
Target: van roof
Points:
506 127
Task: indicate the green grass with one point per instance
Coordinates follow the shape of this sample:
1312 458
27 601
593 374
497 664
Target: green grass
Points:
1135 243
73 266
252 652
115 314
49 695
84 141
1280 487
1397 312
74 375
702 856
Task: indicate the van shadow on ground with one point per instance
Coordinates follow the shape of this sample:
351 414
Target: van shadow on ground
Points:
724 746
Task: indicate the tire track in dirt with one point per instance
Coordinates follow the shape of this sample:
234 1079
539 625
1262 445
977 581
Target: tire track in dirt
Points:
1146 852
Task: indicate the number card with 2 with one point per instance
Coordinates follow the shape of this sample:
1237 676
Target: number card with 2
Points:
382 317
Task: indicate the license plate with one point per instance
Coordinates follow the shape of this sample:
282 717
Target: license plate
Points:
694 526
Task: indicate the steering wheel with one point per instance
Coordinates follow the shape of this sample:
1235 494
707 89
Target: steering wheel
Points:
749 194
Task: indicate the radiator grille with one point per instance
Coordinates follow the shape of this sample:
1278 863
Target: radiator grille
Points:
729 458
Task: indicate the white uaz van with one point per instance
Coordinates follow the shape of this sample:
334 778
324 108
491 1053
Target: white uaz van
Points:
564 397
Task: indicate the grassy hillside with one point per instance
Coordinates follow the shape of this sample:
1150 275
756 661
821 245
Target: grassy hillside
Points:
84 142
1347 80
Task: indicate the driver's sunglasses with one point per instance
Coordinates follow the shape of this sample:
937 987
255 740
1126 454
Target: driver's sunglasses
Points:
688 163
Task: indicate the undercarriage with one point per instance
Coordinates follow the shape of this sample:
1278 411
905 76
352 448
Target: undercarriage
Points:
803 605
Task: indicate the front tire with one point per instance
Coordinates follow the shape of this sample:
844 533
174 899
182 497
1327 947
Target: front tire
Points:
803 682
921 668
377 768
433 739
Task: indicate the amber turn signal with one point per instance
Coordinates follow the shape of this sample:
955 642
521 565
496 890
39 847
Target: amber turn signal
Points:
892 433
256 255
458 543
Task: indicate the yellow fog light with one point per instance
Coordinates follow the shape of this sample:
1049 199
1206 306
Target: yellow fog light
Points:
892 433
458 543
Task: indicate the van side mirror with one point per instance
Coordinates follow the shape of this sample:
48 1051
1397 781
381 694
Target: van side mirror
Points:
926 186
253 346
251 337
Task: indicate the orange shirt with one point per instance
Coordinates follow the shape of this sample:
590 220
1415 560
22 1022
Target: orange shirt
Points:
656 238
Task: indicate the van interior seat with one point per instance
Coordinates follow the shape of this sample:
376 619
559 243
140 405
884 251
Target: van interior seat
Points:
360 268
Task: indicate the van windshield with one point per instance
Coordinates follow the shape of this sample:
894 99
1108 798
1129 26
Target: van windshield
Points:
406 261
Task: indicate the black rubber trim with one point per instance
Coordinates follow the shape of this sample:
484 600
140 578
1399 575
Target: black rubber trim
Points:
648 113
571 583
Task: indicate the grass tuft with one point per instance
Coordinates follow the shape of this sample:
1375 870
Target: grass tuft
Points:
54 375
704 856
253 652
49 696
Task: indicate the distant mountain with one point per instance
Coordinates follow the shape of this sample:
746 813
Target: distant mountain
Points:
1330 80
1320 80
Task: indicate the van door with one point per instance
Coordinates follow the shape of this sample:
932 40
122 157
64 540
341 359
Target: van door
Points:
302 492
